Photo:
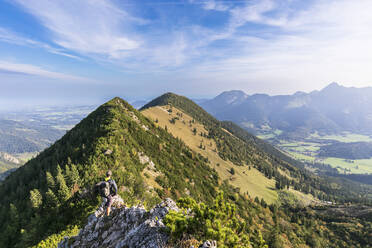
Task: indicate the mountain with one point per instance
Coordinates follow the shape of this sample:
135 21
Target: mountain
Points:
332 110
51 196
224 101
127 138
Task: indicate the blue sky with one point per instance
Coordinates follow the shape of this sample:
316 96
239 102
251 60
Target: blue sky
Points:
87 51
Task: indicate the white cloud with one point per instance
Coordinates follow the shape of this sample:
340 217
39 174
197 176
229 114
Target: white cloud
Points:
32 70
95 27
13 38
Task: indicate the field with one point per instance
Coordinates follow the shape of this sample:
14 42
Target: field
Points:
359 166
307 151
344 137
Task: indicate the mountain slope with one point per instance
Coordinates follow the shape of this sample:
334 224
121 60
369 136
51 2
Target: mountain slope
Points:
115 137
248 180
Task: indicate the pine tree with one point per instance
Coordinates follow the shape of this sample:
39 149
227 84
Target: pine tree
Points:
50 181
36 199
51 200
67 172
63 191
73 176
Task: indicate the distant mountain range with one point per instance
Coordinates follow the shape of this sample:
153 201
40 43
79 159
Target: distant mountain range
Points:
333 109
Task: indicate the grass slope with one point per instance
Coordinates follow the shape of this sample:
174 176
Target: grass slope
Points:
249 181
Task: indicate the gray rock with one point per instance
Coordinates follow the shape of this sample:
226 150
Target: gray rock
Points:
209 244
125 227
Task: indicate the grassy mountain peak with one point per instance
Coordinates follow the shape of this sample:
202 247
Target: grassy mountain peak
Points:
187 105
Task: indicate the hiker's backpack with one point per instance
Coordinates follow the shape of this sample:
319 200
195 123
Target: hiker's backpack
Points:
105 189
112 187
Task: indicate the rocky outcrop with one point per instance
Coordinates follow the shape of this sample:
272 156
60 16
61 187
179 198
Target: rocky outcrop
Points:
125 227
8 158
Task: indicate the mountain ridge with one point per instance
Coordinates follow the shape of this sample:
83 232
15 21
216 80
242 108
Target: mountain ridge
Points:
333 109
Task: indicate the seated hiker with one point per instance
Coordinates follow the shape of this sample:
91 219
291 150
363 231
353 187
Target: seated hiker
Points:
108 189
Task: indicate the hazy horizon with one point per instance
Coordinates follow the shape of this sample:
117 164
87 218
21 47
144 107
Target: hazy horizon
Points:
86 52
31 104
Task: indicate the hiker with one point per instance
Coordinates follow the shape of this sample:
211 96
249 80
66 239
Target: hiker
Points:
108 189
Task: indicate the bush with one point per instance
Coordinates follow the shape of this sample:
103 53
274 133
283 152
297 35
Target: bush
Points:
217 222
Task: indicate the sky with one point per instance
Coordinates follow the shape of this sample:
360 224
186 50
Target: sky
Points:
88 51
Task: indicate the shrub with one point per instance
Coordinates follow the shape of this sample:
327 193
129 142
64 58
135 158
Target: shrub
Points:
216 222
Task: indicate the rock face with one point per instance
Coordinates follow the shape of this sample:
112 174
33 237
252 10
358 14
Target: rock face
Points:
125 227
9 158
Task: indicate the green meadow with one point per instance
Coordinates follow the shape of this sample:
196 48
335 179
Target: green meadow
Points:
307 150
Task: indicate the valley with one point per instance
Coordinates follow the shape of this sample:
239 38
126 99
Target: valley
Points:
311 150
23 134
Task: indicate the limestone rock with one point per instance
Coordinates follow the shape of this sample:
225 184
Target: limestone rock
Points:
125 227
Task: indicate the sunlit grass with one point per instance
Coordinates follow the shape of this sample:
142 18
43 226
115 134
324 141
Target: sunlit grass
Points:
251 181
359 166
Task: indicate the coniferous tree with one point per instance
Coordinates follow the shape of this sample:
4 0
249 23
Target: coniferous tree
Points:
51 200
36 199
73 176
63 192
50 181
67 172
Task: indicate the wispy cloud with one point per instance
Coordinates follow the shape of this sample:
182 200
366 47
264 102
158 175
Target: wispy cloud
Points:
32 70
95 27
13 38
215 5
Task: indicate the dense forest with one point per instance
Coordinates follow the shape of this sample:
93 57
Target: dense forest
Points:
50 196
353 150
